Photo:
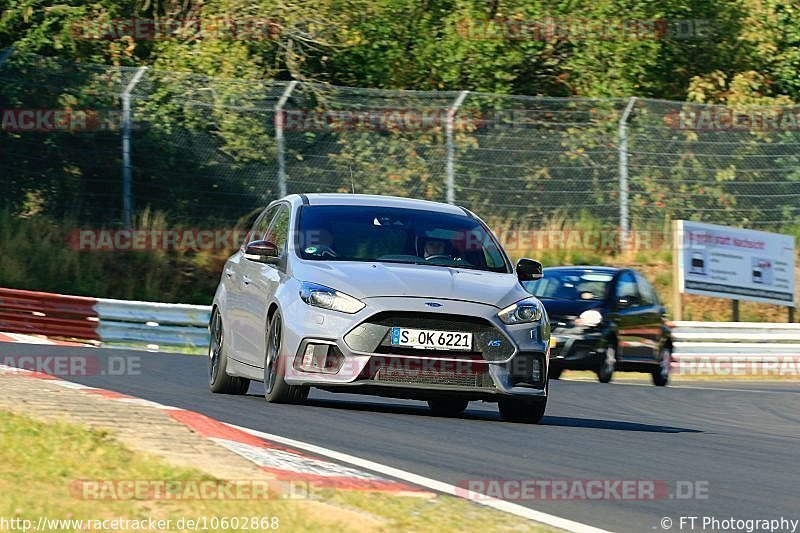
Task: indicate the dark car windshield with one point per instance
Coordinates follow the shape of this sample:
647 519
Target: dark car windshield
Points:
572 284
397 235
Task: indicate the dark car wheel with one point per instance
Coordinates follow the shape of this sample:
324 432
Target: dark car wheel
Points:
447 407
276 390
661 374
555 373
606 370
525 411
218 379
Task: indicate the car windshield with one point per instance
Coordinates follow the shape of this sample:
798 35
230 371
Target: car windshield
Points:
571 285
396 235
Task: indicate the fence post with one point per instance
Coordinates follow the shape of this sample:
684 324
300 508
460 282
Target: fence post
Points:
624 222
126 146
279 142
451 147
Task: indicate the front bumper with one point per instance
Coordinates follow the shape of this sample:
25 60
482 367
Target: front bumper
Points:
577 349
336 351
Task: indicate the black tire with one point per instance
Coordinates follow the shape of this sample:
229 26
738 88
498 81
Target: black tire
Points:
447 406
276 390
605 372
217 362
661 374
554 373
524 411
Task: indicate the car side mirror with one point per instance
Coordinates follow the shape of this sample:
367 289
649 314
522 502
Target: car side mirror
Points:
624 302
262 252
528 270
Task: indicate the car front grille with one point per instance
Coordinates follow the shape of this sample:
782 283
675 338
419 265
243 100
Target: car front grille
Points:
373 335
432 377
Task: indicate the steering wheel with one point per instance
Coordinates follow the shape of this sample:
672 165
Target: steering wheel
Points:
439 257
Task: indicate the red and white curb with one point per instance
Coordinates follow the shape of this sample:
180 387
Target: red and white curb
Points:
284 463
34 339
293 460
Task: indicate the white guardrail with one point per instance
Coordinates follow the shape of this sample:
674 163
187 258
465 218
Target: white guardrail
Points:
181 324
157 324
152 323
735 340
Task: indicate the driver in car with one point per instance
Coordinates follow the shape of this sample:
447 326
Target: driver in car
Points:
435 247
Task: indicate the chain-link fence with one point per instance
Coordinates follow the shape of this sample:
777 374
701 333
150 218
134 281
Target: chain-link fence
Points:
205 149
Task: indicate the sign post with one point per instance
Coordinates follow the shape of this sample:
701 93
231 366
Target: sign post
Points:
677 295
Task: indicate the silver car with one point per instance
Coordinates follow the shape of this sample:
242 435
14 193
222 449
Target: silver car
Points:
388 296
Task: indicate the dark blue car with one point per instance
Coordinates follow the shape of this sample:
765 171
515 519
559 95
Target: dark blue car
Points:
605 320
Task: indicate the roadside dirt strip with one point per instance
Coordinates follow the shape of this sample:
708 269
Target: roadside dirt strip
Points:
184 438
36 339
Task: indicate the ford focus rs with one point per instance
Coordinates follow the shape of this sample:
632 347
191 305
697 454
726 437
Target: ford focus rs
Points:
380 295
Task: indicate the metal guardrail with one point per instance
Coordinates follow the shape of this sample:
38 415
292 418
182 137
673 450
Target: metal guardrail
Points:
735 341
106 320
155 323
47 314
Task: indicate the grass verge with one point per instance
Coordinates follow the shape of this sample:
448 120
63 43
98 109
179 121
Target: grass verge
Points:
39 461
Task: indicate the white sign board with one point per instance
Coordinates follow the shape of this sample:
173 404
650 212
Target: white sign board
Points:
736 263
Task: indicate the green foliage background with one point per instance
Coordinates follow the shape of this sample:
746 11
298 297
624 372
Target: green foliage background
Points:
206 154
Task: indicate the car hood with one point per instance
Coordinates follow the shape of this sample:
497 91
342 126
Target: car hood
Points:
367 280
563 308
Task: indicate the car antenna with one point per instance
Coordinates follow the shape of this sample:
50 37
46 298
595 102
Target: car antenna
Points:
352 181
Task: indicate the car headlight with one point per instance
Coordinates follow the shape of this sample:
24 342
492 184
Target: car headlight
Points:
589 318
528 310
327 298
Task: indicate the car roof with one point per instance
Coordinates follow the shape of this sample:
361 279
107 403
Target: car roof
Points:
376 200
586 267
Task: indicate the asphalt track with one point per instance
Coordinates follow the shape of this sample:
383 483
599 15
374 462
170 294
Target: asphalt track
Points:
741 438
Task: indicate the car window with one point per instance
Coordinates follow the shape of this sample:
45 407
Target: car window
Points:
570 284
646 291
278 232
626 288
261 224
397 235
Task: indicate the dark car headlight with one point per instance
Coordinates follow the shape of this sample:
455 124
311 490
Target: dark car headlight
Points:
524 311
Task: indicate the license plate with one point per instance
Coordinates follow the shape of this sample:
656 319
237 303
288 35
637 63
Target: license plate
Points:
428 339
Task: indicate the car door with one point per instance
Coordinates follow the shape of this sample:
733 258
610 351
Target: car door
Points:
259 283
238 270
651 314
628 315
